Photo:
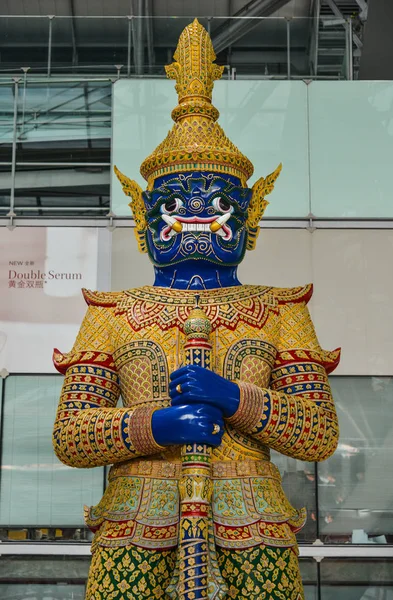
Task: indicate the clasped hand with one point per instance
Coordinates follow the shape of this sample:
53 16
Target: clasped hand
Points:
201 399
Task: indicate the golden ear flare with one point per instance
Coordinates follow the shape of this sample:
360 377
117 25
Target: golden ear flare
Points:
258 204
132 189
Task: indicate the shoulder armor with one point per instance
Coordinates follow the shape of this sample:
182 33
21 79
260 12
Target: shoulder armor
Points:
331 359
101 298
60 360
63 360
296 294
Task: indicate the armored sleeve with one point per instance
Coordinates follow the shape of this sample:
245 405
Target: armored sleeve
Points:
296 415
90 430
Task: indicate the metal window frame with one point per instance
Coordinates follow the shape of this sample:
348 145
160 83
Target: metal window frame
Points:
316 551
112 221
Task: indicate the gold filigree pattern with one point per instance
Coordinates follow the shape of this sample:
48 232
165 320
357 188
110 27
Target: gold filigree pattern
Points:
196 142
262 573
170 308
255 369
140 431
194 69
258 204
131 573
136 373
132 189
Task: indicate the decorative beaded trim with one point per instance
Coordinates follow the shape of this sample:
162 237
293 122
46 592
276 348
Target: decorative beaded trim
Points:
249 413
140 431
168 470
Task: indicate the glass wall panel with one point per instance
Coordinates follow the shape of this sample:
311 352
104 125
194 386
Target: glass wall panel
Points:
41 591
100 44
64 122
50 191
252 47
301 38
6 122
352 301
350 127
6 138
354 488
308 570
63 149
24 43
37 491
64 56
351 145
351 579
267 120
43 577
298 481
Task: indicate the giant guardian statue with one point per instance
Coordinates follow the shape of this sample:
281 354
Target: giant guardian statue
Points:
212 375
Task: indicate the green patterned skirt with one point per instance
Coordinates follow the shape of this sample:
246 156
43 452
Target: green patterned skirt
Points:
133 573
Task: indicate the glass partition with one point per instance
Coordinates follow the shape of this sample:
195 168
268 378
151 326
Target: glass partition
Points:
354 490
69 191
40 498
43 577
323 133
6 139
351 579
309 572
252 47
351 145
6 123
298 481
94 44
63 147
60 122
267 119
25 43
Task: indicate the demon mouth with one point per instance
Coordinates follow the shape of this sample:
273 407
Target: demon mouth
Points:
177 224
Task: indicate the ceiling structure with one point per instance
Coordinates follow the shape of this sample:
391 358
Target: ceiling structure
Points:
81 39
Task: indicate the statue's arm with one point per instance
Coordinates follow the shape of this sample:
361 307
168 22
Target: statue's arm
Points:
89 430
296 415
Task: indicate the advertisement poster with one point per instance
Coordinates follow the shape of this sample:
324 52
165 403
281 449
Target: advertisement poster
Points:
42 271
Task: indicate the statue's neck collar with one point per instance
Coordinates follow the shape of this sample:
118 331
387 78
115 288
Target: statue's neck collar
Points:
196 275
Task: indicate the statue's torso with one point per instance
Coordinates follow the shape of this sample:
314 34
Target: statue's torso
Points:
145 332
148 342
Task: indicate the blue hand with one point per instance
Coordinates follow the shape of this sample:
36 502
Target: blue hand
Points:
191 424
200 386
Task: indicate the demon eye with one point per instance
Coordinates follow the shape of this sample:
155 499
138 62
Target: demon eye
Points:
222 205
171 205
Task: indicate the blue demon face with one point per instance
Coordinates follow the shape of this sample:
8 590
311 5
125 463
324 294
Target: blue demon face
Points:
198 216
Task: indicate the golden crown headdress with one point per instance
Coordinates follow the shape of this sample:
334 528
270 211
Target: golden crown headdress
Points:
196 141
